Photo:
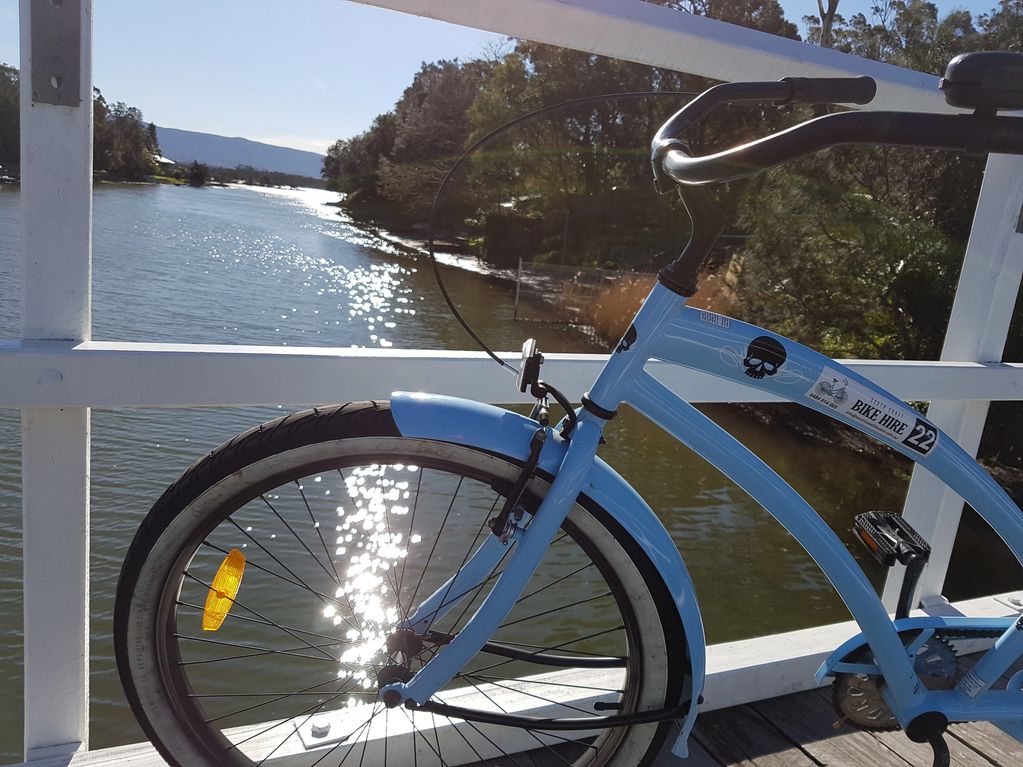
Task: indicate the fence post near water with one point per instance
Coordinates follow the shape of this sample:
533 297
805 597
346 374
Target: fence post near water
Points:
56 197
977 329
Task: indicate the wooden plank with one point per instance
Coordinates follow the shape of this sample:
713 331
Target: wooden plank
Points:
739 737
990 742
698 756
808 720
921 753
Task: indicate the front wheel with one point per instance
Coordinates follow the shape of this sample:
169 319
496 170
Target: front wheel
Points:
312 537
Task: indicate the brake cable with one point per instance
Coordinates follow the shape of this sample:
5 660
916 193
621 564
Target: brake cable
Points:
473 149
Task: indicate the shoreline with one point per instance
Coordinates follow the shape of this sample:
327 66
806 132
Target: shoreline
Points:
791 417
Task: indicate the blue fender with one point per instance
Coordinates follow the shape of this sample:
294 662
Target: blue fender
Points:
465 422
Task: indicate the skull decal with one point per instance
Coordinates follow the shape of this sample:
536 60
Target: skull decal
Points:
764 357
628 339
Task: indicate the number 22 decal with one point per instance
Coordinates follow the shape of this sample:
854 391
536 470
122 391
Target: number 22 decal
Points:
922 437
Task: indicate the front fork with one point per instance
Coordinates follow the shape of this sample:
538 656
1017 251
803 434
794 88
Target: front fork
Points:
530 547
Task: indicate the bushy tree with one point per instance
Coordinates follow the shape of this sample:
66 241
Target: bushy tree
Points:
9 138
401 159
198 173
124 146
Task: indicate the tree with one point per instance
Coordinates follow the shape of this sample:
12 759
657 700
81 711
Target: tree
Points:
154 140
9 121
124 146
1002 29
198 173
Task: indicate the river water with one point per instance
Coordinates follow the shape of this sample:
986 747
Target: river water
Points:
261 266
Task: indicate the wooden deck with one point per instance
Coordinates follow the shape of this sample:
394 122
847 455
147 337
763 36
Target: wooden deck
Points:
802 730
793 731
799 731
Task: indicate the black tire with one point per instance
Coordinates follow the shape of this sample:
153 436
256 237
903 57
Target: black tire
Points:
322 618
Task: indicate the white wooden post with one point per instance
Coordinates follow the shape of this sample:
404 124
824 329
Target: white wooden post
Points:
977 330
56 190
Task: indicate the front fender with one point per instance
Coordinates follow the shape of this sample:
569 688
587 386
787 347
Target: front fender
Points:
449 419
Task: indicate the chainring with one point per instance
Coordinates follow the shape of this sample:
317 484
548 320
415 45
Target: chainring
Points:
857 698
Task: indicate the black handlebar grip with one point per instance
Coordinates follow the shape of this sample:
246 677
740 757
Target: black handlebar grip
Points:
832 90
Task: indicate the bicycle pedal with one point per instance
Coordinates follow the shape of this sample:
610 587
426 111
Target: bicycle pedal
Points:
890 538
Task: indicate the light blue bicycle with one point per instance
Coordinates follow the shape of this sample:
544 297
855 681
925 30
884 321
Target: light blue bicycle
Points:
437 581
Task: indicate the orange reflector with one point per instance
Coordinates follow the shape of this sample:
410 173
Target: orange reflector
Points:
225 588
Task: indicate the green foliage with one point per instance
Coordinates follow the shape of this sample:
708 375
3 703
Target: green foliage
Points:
847 272
124 146
390 172
198 173
9 138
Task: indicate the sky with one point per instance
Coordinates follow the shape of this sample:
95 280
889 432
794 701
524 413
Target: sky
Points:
302 73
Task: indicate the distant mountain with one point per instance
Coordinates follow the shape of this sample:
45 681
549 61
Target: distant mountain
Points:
184 146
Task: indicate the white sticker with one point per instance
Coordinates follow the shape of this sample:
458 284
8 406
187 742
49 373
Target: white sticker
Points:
714 319
887 417
971 684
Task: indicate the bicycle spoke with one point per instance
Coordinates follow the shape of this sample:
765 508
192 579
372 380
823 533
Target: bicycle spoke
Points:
275 559
297 584
548 649
289 651
297 537
319 533
520 600
411 522
263 617
531 734
465 558
497 572
247 709
362 728
555 684
555 609
436 540
491 742
391 577
246 618
538 697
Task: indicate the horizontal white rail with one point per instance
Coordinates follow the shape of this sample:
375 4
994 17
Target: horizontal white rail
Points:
658 36
117 375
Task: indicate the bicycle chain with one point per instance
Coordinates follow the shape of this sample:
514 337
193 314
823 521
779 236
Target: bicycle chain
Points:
869 685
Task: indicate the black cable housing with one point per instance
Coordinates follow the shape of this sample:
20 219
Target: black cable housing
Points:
629 95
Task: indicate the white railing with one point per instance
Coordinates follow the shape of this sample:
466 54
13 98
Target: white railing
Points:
56 373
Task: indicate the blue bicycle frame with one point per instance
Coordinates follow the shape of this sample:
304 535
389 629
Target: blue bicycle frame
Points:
666 329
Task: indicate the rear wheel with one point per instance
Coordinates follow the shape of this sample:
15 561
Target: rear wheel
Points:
344 527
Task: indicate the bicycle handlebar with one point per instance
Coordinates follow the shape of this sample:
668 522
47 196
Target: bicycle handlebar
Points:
963 133
672 160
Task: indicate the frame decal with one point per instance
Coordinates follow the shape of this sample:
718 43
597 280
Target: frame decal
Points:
628 339
840 394
749 362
